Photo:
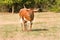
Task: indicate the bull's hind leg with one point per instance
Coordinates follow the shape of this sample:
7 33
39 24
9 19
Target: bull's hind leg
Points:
21 24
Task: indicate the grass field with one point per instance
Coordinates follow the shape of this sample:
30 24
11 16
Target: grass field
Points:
46 26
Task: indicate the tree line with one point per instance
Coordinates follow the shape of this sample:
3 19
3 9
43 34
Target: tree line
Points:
43 5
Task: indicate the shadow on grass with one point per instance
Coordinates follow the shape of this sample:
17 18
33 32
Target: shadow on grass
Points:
39 30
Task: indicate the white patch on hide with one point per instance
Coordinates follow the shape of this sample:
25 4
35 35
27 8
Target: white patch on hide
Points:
26 20
21 21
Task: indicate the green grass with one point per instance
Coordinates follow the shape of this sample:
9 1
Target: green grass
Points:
8 30
40 28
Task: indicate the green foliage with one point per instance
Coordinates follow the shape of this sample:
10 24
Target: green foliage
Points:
52 5
55 9
9 2
58 2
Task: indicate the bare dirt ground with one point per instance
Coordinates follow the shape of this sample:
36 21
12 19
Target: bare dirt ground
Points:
48 20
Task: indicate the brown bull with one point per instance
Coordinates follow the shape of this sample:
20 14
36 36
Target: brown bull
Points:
26 15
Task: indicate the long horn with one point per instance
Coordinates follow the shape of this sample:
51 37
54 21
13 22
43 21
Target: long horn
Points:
24 6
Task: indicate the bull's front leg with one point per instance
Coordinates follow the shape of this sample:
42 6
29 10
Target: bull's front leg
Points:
30 25
24 26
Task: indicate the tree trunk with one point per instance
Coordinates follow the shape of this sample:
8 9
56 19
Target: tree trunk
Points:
12 9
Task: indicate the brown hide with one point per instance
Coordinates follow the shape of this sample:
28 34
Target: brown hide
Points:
27 14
